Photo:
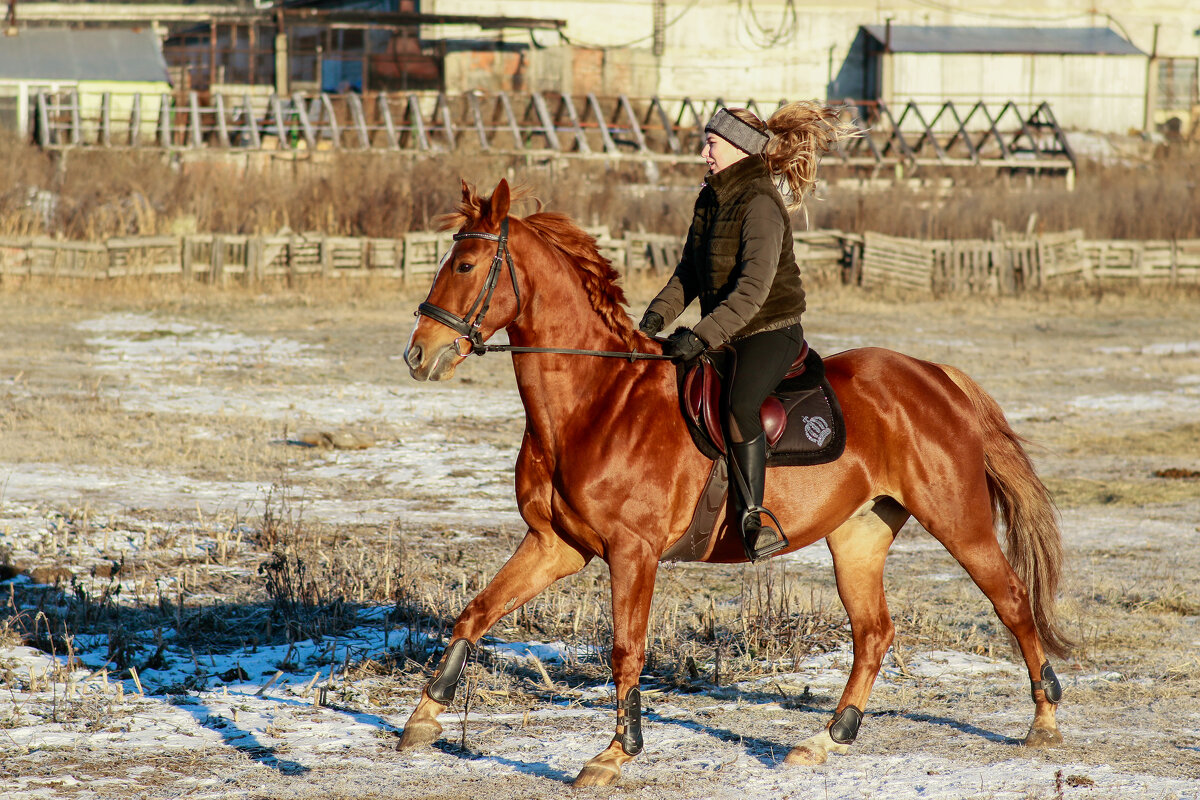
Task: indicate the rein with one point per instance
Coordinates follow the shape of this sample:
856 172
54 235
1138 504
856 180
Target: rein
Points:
470 328
632 355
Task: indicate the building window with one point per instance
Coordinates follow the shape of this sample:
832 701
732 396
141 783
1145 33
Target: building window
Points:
1177 79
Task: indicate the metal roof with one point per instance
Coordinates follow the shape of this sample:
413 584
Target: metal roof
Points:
60 54
978 39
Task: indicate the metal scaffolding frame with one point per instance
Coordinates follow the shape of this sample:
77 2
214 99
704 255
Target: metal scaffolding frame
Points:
904 140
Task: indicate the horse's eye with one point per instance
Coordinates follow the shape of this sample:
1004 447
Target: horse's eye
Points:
463 268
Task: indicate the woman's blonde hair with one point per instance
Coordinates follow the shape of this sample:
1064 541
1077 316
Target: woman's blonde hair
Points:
801 133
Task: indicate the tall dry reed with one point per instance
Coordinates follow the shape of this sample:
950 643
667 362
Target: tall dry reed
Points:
92 194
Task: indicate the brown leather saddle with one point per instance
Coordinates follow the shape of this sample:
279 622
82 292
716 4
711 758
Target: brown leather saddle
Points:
801 418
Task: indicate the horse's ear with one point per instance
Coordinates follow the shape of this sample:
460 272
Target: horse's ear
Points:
500 201
467 191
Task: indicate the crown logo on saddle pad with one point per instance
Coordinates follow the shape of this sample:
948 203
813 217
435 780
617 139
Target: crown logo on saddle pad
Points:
817 430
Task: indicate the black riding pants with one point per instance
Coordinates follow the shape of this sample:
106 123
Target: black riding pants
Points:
760 362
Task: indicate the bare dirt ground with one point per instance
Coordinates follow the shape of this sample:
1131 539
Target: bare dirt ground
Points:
151 465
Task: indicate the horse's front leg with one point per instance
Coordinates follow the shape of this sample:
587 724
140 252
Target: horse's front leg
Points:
539 560
632 572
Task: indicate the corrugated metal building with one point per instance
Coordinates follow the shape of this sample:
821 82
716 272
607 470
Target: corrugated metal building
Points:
752 49
771 49
94 62
1091 77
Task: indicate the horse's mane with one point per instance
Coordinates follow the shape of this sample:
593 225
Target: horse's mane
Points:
595 271
574 244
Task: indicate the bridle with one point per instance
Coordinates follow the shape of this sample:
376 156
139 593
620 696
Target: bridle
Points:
470 328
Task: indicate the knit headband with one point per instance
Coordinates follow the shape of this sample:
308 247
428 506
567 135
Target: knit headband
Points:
740 134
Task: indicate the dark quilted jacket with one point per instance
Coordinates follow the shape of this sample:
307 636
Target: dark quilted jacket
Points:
737 259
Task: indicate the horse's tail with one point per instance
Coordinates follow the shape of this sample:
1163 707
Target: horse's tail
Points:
1034 541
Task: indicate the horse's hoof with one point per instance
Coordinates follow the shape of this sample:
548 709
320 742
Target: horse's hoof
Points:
814 750
594 774
419 734
1043 737
803 756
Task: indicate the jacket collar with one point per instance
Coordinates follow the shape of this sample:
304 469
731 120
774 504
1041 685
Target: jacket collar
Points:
733 178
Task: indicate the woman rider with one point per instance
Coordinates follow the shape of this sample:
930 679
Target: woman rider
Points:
738 260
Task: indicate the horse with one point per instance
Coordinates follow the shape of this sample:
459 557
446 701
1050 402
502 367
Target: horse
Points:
607 469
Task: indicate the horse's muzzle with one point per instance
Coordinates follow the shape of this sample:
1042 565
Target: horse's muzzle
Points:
438 367
412 357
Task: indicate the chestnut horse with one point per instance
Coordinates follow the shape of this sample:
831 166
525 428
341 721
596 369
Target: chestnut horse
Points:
607 468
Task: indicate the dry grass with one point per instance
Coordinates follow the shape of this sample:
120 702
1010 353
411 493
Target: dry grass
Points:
1172 441
1077 492
1153 200
89 428
274 575
93 194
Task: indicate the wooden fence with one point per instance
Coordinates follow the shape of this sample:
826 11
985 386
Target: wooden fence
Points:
1011 265
1007 265
219 259
213 257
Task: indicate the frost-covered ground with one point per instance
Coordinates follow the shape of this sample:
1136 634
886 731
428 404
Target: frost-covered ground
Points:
290 721
243 739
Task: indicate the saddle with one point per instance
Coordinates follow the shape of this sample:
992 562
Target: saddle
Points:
801 418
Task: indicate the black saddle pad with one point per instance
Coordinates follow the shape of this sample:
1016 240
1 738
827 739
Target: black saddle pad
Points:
816 430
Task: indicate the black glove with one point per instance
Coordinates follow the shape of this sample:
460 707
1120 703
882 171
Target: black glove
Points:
652 322
683 345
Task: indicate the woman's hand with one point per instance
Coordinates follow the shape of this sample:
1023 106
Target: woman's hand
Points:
683 345
652 322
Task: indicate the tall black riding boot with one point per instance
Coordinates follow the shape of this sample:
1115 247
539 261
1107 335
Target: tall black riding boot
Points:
749 461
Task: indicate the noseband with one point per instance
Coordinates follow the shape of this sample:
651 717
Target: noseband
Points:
470 328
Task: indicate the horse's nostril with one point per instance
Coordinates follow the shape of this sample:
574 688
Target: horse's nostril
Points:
412 356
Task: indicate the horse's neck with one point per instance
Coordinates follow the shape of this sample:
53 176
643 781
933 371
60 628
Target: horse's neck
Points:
558 388
566 326
557 311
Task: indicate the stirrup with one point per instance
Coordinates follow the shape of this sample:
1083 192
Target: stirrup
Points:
766 550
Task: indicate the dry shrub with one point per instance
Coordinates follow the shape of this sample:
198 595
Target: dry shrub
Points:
356 194
1153 200
94 193
315 576
24 173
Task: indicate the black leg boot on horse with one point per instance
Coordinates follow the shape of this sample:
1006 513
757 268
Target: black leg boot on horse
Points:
748 465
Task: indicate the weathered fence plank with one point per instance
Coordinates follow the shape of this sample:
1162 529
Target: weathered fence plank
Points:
1009 265
891 260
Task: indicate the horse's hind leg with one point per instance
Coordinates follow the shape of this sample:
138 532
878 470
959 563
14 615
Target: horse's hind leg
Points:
973 544
539 560
859 548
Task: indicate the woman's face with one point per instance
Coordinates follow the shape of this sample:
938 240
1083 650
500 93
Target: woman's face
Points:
718 153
